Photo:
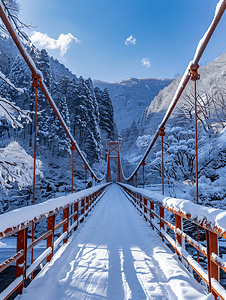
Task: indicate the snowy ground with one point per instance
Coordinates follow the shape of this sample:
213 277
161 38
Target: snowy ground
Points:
114 255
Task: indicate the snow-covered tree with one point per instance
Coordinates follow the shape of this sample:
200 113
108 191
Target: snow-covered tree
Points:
12 9
211 109
179 156
106 111
17 166
57 135
15 163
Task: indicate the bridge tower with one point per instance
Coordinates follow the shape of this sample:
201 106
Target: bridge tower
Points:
113 152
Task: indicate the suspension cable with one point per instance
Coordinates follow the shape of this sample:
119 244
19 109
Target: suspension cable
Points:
220 8
35 84
35 72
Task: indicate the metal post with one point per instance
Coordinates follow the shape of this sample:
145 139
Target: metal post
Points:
178 239
162 133
208 259
145 205
195 76
87 202
72 175
86 175
119 164
50 239
214 248
35 84
21 264
82 207
162 216
72 178
65 226
108 161
141 198
213 269
143 164
76 210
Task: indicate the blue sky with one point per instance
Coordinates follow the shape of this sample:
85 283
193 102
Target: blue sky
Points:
114 40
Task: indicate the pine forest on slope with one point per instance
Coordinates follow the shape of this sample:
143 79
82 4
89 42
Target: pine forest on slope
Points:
87 111
132 97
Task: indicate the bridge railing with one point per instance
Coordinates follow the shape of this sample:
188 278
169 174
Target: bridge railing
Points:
153 206
73 209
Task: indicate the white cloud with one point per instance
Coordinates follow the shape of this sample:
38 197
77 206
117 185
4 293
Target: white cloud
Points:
131 40
146 62
62 43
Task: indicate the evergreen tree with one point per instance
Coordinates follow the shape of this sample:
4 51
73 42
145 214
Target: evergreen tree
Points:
64 143
45 112
106 112
90 86
89 139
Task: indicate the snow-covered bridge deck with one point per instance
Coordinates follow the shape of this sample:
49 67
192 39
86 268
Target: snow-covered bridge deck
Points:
114 254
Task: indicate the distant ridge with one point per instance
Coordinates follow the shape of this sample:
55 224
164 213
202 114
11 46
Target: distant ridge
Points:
131 97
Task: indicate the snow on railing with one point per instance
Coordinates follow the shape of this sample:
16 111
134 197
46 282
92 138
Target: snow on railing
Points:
74 208
25 215
35 73
220 8
212 220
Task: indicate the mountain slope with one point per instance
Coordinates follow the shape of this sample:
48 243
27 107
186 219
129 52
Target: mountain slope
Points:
212 83
212 77
8 48
131 97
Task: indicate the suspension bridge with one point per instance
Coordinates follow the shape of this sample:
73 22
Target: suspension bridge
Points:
116 240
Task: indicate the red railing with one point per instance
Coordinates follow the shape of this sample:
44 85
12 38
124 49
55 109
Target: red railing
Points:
74 208
213 221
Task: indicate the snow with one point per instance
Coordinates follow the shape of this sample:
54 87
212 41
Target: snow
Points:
114 255
10 83
13 114
24 215
47 94
211 216
178 88
218 260
38 261
2 244
218 7
131 97
60 239
218 287
17 165
11 287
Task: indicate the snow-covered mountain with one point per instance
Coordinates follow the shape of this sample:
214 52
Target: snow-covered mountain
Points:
179 142
8 48
131 97
212 80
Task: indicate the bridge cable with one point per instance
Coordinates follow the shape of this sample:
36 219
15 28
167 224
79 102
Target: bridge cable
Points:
36 72
220 8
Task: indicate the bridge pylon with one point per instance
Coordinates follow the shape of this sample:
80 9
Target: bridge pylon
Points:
113 148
